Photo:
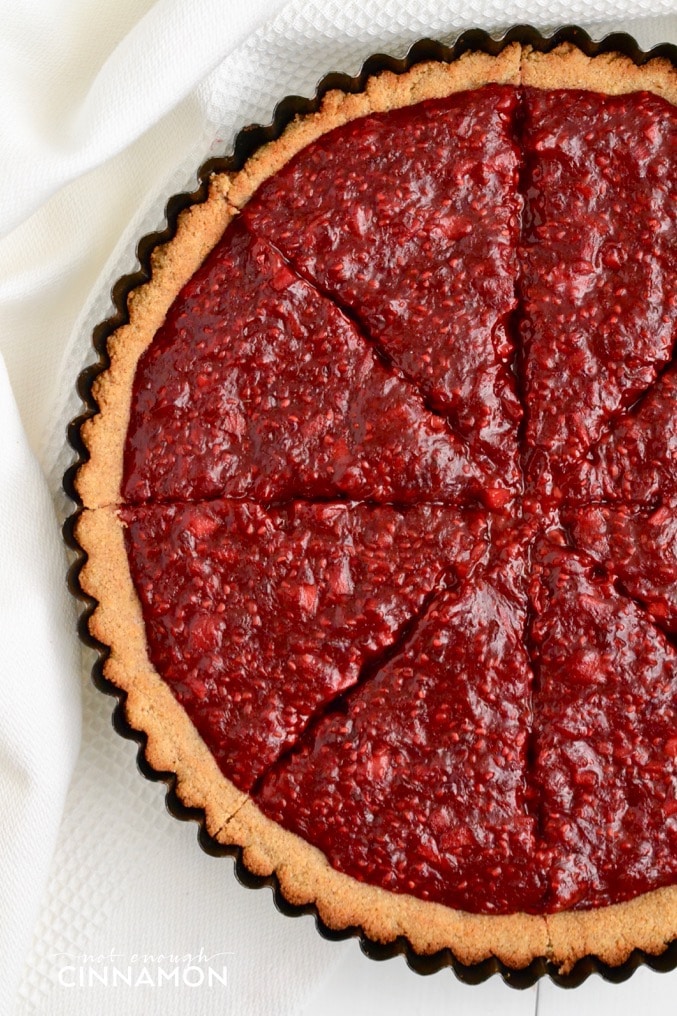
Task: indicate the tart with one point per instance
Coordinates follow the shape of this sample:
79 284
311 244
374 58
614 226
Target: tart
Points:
381 502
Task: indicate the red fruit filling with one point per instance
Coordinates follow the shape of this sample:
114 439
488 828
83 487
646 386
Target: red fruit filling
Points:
636 460
417 783
638 549
599 258
605 748
478 709
410 219
275 394
255 618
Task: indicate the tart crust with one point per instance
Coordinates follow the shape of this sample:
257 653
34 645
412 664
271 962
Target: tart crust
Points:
648 922
611 73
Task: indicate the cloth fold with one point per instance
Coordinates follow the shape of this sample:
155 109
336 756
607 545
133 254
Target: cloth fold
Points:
107 111
60 123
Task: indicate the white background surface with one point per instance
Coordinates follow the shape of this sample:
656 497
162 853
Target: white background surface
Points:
107 110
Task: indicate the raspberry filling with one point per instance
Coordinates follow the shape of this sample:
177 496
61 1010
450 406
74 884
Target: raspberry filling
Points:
599 258
430 757
638 549
276 395
257 617
400 495
605 722
635 460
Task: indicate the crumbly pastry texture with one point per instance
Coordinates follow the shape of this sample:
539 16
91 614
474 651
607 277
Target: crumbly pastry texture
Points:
648 922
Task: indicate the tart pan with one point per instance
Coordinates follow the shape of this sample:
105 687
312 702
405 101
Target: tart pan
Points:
247 141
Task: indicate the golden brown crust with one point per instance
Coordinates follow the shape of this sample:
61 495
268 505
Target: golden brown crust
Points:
174 744
306 876
566 66
648 922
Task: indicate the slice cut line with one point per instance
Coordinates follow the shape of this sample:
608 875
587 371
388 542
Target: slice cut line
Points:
418 239
255 618
635 462
276 396
419 783
638 548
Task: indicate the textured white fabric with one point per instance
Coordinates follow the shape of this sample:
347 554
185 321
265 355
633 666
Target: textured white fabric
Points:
40 716
107 110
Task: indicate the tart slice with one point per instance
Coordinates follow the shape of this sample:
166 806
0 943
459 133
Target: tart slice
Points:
605 749
417 782
425 457
275 395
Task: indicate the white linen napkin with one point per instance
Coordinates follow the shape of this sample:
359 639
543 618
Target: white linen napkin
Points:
107 110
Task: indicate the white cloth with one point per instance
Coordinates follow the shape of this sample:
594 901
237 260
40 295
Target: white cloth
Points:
40 715
107 109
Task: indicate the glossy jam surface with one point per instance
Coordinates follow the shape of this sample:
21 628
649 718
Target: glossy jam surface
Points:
275 394
599 257
430 755
637 548
412 223
605 744
400 499
634 462
258 617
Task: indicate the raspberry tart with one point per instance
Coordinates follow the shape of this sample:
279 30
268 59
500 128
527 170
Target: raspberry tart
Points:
380 508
